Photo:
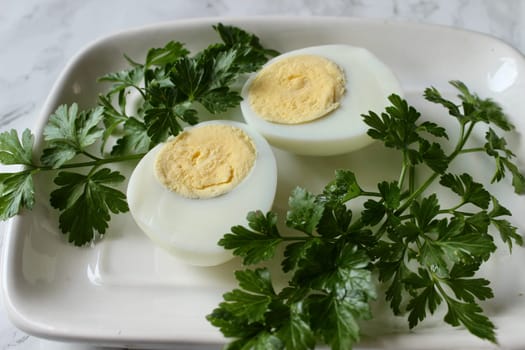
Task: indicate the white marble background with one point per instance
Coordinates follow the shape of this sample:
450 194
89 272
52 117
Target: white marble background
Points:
38 37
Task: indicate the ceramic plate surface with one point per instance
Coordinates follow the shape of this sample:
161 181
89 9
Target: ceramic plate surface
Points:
124 290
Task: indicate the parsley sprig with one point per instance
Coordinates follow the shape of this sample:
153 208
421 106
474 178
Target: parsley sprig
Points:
426 255
170 83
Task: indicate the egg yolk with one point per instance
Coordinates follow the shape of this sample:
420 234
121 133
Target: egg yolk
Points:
206 161
297 89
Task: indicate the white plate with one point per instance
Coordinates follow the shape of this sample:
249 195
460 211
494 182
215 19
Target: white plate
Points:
124 290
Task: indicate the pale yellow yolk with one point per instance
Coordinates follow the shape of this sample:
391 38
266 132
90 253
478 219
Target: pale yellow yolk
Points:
297 89
206 161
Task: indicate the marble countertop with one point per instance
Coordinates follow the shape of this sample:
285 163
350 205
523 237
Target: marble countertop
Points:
38 37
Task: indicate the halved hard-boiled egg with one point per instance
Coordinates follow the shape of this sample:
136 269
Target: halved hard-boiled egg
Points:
310 101
186 193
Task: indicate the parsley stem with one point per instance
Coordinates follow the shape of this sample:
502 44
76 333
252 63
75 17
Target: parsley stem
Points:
455 211
471 150
462 140
381 230
97 162
416 193
465 134
403 171
139 90
296 238
455 208
370 194
89 155
412 178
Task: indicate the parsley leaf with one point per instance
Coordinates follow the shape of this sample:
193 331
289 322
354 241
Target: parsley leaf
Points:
16 192
16 189
345 271
433 95
336 321
135 139
508 232
14 150
220 100
254 245
69 132
305 211
124 79
433 129
425 211
90 196
496 147
396 127
112 119
296 252
467 288
349 289
170 53
373 212
456 243
392 269
244 312
295 332
336 220
471 316
469 190
343 188
253 55
391 194
426 297
251 302
433 156
191 77
478 109
163 113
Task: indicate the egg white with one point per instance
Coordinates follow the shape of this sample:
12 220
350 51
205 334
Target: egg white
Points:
369 82
190 228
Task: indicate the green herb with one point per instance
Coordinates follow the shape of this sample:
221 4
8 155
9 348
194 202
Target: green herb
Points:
16 189
170 82
425 255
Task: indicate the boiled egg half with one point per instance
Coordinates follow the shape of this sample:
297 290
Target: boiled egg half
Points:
186 193
310 101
